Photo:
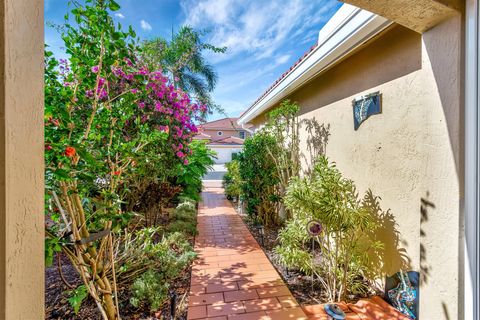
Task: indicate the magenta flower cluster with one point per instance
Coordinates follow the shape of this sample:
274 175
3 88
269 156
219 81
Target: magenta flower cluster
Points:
167 108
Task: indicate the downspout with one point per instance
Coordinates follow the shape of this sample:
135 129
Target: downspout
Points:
472 163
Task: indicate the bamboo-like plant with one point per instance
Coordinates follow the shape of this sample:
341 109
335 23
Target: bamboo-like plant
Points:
339 257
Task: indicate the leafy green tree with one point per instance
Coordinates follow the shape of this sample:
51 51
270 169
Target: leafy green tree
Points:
184 59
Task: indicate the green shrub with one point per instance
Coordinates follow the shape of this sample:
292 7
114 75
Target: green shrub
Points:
340 259
259 178
149 288
152 264
232 182
199 162
184 218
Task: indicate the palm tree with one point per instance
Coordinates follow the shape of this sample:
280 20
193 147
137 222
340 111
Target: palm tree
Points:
183 58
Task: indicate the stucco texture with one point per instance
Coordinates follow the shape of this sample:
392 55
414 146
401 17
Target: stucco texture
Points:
409 155
413 14
21 160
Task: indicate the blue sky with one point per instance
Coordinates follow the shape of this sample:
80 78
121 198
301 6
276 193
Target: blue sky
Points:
264 38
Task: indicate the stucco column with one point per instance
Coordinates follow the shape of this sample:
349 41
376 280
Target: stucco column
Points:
21 160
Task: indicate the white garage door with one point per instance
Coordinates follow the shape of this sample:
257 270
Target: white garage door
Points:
224 155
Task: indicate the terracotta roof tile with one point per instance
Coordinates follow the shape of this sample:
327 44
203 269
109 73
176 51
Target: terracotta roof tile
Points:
228 141
225 124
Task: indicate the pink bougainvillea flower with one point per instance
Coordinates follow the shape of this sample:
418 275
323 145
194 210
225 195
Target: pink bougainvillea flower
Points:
48 147
70 152
95 69
164 129
134 91
89 93
102 93
185 161
180 154
141 105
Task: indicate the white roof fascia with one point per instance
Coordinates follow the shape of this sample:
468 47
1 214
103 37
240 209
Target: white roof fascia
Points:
349 28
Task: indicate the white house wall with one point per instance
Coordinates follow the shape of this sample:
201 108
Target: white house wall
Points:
224 153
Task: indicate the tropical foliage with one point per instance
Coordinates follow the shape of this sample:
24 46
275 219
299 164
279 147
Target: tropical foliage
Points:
119 152
182 57
339 256
270 185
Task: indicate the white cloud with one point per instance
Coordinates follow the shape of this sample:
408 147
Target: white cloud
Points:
145 25
282 59
256 27
261 37
119 15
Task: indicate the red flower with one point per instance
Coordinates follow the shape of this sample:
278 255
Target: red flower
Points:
48 147
117 173
70 152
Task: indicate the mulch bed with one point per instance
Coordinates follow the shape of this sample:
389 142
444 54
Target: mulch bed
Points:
299 284
57 306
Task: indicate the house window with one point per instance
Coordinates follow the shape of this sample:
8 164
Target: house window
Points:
220 133
241 134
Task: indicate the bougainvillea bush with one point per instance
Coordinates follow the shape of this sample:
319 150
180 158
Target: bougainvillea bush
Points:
113 128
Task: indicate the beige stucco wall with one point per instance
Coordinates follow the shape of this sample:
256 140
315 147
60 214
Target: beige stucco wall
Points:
409 155
21 160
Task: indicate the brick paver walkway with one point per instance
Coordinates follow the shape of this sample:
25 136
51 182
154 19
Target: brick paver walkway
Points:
233 279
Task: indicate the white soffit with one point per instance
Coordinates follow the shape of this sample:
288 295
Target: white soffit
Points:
348 29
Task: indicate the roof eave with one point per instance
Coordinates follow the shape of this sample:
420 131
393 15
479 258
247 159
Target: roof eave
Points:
348 29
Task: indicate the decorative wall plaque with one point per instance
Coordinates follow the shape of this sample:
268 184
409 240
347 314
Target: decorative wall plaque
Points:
364 107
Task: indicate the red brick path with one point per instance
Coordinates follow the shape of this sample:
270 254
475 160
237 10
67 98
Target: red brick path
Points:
232 279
